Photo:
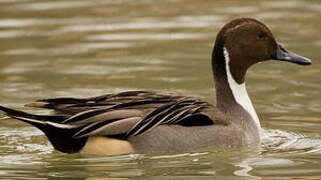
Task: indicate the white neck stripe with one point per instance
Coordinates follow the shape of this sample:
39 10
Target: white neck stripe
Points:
239 92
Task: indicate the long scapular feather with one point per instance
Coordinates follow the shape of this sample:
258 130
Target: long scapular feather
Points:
36 119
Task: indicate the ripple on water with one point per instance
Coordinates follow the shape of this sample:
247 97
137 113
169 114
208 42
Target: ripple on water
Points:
239 10
108 70
153 23
78 48
12 33
21 141
44 6
23 67
284 4
278 141
153 36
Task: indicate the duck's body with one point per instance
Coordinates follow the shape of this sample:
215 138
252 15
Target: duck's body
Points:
141 122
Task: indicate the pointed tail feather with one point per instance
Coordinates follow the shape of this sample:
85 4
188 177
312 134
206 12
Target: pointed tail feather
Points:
15 113
39 121
60 135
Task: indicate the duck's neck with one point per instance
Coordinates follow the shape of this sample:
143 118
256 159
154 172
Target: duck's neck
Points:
232 97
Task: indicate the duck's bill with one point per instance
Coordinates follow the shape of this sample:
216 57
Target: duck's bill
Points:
283 54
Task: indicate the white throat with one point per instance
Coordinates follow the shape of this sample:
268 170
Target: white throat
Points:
239 92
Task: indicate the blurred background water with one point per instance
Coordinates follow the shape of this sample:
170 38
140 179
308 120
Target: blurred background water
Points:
86 48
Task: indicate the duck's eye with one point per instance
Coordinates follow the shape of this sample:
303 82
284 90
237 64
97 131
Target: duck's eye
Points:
260 36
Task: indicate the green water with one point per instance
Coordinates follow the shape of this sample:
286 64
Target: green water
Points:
87 48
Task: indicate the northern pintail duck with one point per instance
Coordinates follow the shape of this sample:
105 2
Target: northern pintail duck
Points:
142 121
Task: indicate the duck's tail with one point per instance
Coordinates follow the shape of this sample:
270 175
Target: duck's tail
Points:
59 134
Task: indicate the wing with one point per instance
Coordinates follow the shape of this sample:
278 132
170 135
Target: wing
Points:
130 113
182 111
143 100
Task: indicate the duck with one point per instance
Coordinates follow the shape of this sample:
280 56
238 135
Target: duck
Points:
151 121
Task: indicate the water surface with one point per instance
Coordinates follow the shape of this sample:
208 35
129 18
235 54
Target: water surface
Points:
87 48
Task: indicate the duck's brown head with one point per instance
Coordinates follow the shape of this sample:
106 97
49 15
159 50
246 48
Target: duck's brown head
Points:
244 42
